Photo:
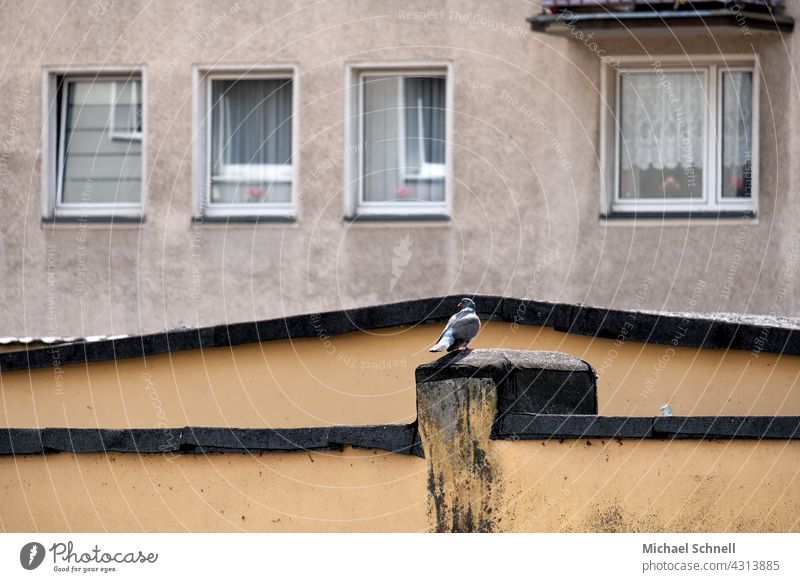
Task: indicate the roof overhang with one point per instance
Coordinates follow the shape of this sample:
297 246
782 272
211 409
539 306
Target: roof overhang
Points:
717 20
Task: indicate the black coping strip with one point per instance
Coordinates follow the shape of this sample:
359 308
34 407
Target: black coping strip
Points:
541 426
515 426
396 438
667 329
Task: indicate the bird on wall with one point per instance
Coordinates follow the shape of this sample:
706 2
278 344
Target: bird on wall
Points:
462 327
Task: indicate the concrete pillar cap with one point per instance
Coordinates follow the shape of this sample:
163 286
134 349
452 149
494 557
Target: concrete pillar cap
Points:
497 364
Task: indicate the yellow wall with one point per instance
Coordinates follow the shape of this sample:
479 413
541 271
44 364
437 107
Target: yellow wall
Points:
650 485
359 378
368 377
538 486
353 490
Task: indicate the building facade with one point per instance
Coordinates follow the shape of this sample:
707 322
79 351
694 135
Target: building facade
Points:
194 163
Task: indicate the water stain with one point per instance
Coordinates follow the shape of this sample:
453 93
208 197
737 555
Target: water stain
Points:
455 421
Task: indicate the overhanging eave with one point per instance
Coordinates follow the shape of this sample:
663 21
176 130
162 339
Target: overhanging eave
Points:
565 23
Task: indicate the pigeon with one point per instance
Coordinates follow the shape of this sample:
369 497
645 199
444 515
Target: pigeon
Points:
462 327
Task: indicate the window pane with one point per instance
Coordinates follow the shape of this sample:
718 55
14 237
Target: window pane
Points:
98 167
424 99
662 121
737 125
127 110
403 139
251 142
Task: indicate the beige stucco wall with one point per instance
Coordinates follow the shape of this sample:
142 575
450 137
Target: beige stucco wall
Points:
608 486
524 222
353 490
360 378
368 378
575 485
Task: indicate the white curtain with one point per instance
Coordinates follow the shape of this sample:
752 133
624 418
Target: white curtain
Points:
662 120
737 128
737 102
381 138
403 138
424 101
252 122
251 143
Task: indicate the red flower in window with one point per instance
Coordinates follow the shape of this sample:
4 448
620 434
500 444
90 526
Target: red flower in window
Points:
671 185
255 194
403 192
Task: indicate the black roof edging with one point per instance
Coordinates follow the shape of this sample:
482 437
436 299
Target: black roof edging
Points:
395 438
518 426
647 327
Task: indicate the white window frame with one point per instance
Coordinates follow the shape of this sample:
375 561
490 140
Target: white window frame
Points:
53 145
354 204
203 75
711 201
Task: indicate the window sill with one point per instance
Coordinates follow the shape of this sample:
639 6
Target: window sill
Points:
95 218
650 215
432 217
232 218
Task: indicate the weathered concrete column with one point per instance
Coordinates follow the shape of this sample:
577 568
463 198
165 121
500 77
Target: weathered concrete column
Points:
460 397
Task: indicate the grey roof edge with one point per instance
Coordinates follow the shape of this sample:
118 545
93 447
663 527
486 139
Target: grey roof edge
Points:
395 438
644 327
611 19
516 426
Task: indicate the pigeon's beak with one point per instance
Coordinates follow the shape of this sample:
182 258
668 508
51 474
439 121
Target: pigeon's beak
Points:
460 305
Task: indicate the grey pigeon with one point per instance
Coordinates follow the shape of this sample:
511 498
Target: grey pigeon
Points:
461 328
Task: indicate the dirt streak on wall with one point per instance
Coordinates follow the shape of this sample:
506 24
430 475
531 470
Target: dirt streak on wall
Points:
455 423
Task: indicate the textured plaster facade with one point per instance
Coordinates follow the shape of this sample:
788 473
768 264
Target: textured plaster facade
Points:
572 486
526 177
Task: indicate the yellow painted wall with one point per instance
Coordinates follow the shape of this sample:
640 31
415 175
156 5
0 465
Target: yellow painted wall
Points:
353 490
364 378
538 486
368 377
650 485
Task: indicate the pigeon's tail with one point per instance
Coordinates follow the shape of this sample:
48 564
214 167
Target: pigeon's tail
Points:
444 343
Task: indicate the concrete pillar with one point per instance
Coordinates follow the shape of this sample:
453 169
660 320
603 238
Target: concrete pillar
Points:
460 397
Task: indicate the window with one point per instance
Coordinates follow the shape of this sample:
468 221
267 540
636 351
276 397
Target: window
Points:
248 144
94 126
684 138
400 142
